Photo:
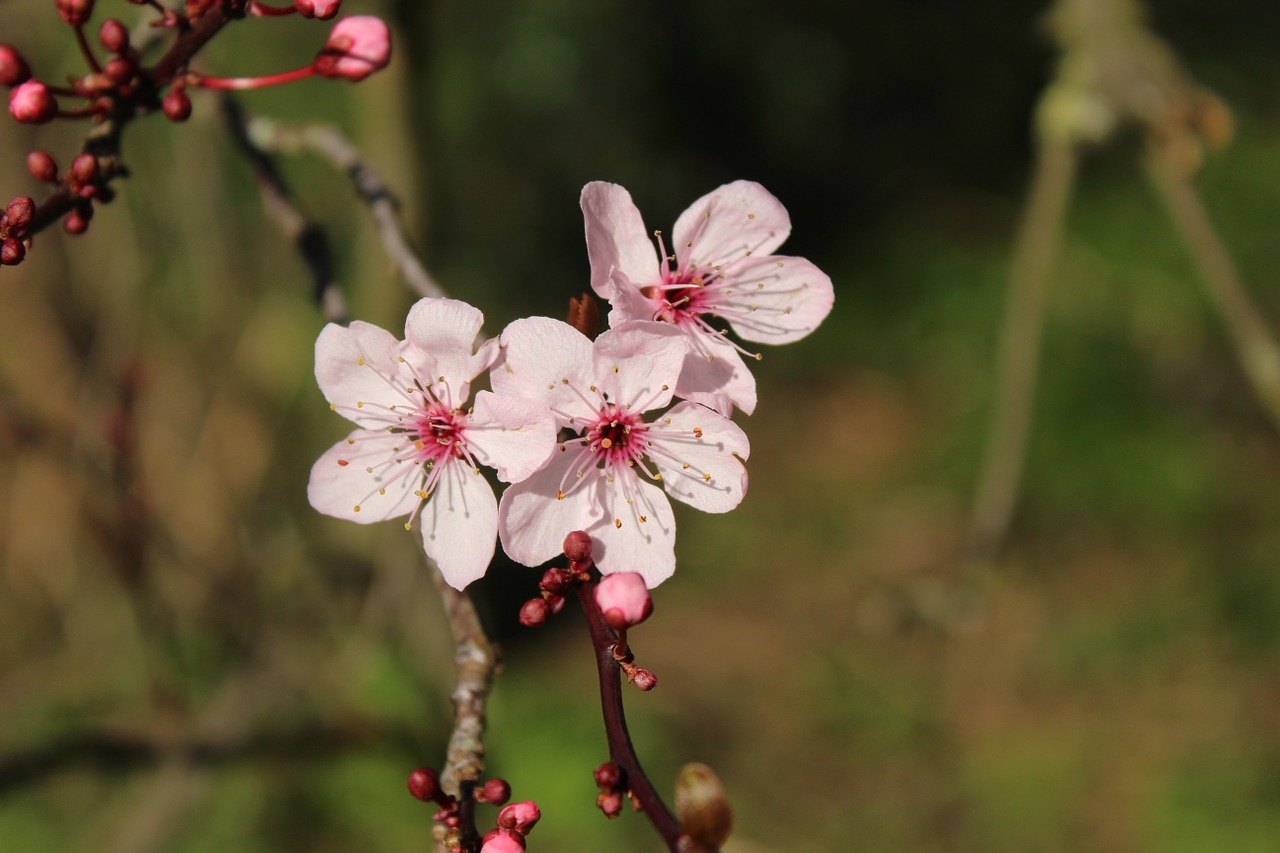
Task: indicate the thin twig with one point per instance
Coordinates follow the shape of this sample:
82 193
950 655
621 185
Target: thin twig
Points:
1256 347
621 750
330 143
1039 239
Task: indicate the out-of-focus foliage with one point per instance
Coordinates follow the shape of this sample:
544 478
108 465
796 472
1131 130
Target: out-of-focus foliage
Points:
1110 685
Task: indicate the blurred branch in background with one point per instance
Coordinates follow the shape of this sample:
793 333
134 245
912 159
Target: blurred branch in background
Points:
1112 72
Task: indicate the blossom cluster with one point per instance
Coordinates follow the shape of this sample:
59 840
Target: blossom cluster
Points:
591 435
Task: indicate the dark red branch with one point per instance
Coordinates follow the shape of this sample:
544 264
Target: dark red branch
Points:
621 751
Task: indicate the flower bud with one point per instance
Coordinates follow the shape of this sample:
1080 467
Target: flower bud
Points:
502 841
644 679
702 806
552 581
424 784
77 221
534 612
608 776
75 12
357 47
17 213
577 546
176 105
32 103
119 70
11 252
42 167
113 36
494 791
322 9
84 169
13 68
519 816
624 600
610 802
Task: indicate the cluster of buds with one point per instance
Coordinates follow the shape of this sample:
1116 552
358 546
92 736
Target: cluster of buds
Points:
117 84
556 582
13 225
515 821
612 782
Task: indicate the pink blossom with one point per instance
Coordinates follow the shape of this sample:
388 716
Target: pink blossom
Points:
624 600
357 47
722 267
503 841
418 449
32 103
603 481
520 817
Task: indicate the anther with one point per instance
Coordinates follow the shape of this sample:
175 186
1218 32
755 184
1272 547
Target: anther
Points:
617 522
344 463
357 508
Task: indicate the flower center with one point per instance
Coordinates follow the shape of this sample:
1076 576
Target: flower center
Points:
437 433
617 436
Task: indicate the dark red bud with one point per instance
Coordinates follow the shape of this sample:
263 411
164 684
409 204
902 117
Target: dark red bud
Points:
494 791
176 105
610 802
77 221
75 12
119 70
424 784
18 213
11 252
113 35
608 776
644 679
534 612
552 581
577 546
42 167
84 169
13 68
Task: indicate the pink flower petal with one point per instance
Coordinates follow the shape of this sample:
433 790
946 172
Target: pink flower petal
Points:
539 354
446 330
645 541
532 523
512 434
353 365
341 479
459 523
616 236
706 472
720 382
784 299
627 302
637 364
730 222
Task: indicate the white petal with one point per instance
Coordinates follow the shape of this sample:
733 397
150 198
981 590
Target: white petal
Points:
719 382
512 434
546 361
358 364
779 299
445 330
730 222
459 524
532 522
637 364
616 237
706 472
386 491
638 535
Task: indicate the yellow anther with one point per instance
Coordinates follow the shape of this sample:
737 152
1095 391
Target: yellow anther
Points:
751 216
357 508
419 444
400 359
643 519
408 525
707 477
351 441
382 491
615 368
360 361
559 495
666 387
359 404
685 466
606 443
617 522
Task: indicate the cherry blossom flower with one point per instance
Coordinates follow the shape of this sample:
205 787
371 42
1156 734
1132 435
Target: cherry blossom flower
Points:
417 450
722 267
602 481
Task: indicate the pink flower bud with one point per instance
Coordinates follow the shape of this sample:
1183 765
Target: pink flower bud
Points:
577 546
17 214
502 841
113 35
176 105
519 816
357 47
11 252
494 791
84 169
608 776
609 802
75 12
32 103
644 679
424 784
322 9
534 612
13 68
624 600
42 166
77 221
119 70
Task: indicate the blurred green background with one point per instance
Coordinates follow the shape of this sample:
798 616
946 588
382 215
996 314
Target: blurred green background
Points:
192 659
